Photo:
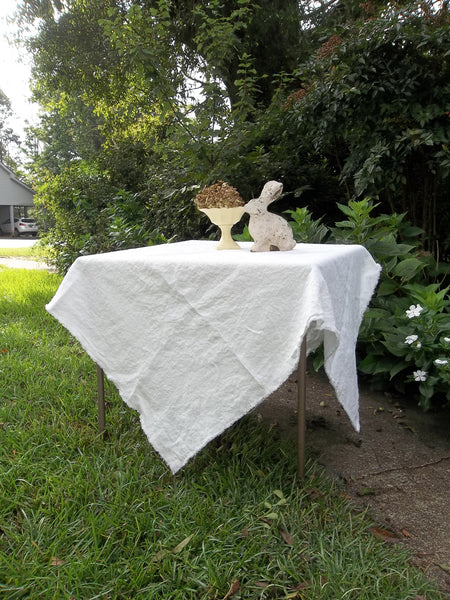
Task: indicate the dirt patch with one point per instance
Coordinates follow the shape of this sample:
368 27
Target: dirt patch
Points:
398 466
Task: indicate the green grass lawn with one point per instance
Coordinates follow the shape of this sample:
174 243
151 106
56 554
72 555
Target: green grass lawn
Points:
16 252
85 518
36 252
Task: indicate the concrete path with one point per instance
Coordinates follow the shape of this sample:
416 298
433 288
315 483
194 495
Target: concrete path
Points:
20 263
19 242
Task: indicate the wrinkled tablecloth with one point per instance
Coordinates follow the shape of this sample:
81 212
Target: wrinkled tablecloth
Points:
194 338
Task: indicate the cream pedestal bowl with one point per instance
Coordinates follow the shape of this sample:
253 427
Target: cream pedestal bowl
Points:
225 218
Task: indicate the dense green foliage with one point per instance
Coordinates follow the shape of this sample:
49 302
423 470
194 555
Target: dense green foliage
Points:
87 517
404 341
375 106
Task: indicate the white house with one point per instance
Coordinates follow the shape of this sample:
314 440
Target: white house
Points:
16 198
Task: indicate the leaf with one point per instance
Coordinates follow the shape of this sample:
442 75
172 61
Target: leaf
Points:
345 224
234 588
390 248
345 209
406 533
394 348
386 288
160 555
377 313
408 268
287 537
412 231
273 516
383 534
374 365
183 544
178 548
368 364
396 369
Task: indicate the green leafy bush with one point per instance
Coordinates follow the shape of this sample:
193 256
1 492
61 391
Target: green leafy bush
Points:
307 229
373 106
404 340
88 214
414 345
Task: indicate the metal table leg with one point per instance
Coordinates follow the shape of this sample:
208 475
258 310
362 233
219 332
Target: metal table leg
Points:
301 410
101 400
301 407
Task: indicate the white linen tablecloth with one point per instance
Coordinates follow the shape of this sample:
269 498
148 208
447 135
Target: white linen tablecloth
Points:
194 338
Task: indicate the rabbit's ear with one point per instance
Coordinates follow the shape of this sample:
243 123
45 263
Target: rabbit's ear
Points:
271 191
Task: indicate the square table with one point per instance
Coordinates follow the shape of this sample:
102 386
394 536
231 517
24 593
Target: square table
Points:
194 338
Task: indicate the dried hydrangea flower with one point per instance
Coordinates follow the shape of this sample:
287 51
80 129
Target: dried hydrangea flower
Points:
218 195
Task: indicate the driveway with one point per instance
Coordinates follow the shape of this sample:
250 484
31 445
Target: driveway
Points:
20 263
20 242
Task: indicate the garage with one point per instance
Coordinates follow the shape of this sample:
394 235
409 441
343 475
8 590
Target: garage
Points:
16 200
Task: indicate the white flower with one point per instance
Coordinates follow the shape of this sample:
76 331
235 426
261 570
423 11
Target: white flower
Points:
441 361
447 340
414 311
410 339
420 375
419 345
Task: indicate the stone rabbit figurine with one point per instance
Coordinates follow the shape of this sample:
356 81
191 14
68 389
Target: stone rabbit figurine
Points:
269 231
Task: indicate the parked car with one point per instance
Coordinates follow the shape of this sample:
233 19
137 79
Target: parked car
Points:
25 226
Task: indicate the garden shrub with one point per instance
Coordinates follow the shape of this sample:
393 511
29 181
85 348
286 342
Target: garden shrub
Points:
85 213
412 345
404 340
374 107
